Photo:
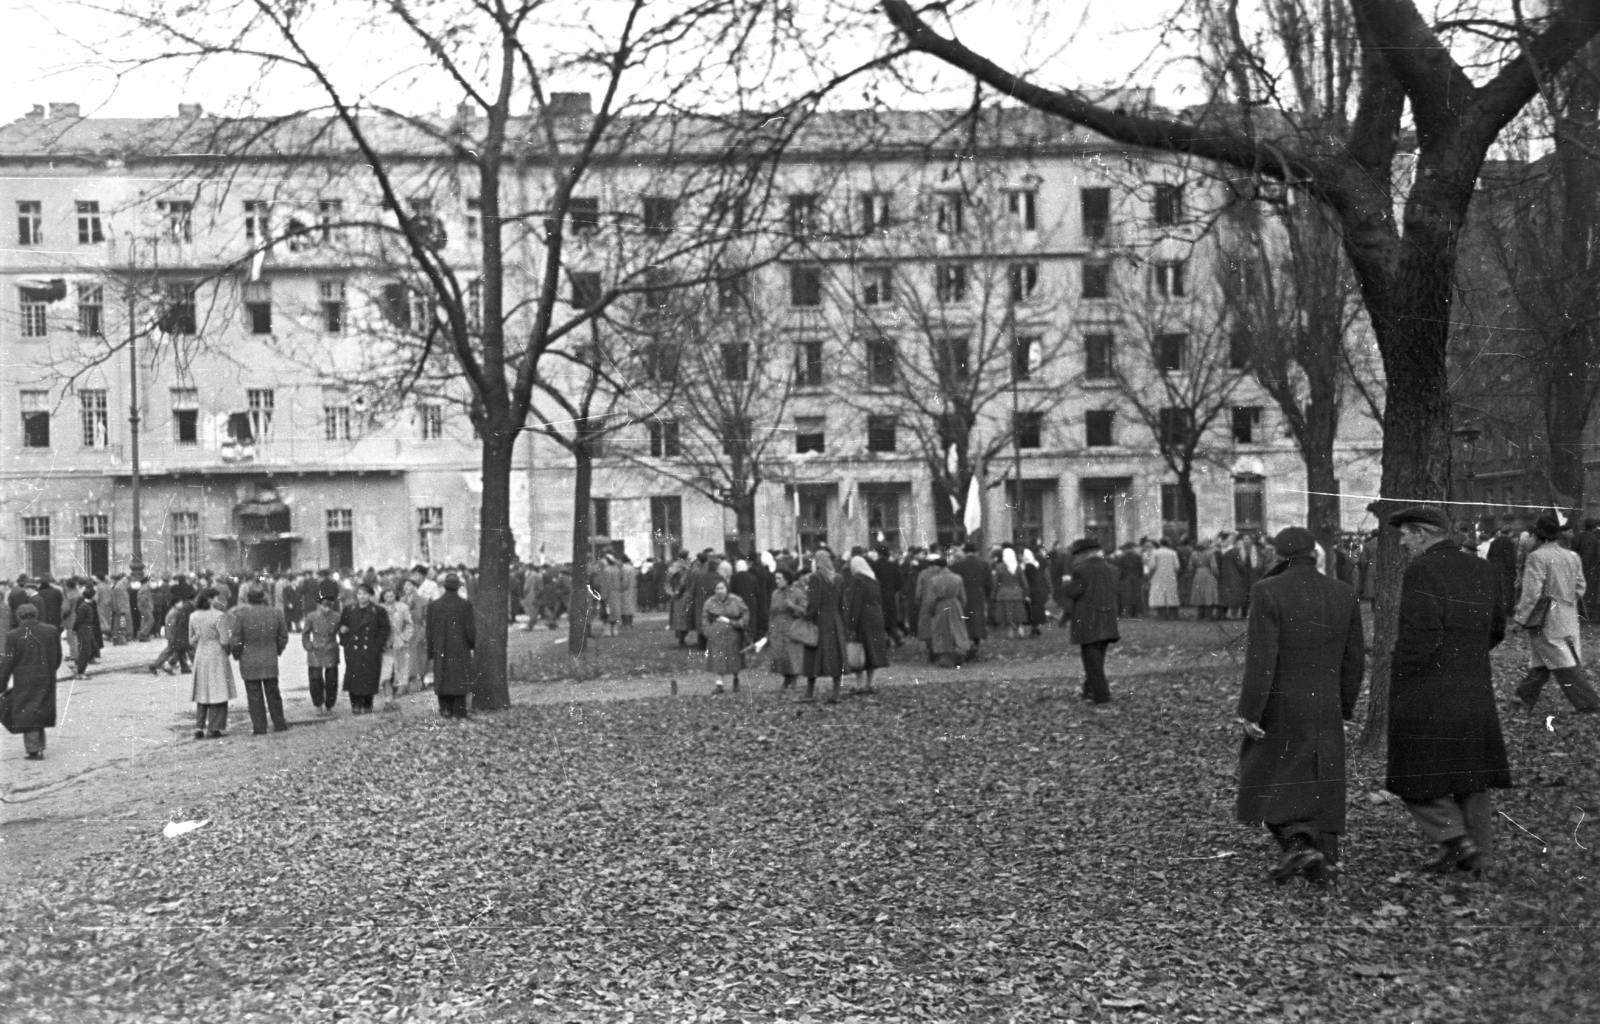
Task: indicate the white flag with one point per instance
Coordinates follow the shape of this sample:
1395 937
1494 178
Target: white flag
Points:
973 518
951 464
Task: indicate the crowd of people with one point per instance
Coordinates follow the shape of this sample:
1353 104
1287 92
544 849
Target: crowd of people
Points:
392 632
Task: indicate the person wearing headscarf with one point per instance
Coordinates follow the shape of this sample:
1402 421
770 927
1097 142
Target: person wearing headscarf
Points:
211 640
788 606
724 616
1553 571
1010 594
863 621
1304 661
824 609
29 661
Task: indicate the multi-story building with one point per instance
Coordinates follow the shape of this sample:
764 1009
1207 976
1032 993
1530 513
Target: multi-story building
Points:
1014 303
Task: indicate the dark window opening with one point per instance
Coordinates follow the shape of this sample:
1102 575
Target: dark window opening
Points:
1025 356
1096 206
1024 281
1170 352
1175 427
1098 428
881 361
881 432
585 289
1029 429
1099 353
808 371
660 215
583 213
187 422
1097 280
736 360
1246 423
1169 204
809 434
664 439
805 286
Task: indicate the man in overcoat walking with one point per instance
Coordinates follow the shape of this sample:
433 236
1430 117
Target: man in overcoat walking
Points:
1091 593
29 662
452 635
260 634
1503 556
1445 747
1302 675
978 579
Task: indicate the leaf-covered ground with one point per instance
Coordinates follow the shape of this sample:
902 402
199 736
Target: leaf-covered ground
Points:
985 851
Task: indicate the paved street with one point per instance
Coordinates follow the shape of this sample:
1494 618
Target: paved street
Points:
123 717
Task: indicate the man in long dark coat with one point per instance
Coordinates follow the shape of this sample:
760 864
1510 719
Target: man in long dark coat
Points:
48 600
1587 546
1302 675
1092 593
888 573
29 662
1130 581
698 585
452 635
978 576
1445 747
1503 557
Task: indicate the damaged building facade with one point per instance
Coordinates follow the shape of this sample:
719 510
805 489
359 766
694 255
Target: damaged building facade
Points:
1061 278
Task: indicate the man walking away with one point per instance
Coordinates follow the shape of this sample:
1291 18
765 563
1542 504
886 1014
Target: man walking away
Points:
1445 747
1554 647
1091 594
29 662
452 634
260 634
1302 675
176 630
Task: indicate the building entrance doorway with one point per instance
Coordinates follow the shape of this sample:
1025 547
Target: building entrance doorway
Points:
1103 500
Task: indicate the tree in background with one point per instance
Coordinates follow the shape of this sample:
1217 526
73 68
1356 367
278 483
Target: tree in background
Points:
1405 266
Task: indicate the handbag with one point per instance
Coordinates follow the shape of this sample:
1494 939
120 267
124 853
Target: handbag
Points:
855 655
804 633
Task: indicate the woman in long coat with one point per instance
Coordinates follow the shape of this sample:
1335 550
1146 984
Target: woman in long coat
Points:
210 638
1164 580
1203 591
29 662
944 609
364 634
863 620
628 595
1555 572
86 624
824 609
397 657
1038 581
788 606
608 582
724 617
1233 582
1010 594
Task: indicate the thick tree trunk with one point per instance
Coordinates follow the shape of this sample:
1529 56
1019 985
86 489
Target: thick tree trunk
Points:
1416 449
1191 506
578 600
743 541
1323 512
491 689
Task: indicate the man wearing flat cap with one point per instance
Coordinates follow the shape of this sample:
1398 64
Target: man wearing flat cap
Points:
452 636
1445 747
1302 675
1091 594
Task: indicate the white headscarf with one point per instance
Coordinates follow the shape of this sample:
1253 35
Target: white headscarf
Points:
768 561
859 567
1027 557
741 566
1009 557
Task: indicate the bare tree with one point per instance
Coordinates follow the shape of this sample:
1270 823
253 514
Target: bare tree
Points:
1294 312
1405 266
1178 375
524 153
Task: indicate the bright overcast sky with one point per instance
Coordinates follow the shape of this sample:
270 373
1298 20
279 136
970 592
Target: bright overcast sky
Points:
1095 42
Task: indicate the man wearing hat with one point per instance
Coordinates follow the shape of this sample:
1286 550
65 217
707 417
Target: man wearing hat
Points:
1302 675
1091 593
1554 647
1445 747
29 660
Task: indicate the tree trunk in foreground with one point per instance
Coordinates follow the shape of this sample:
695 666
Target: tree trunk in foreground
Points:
491 689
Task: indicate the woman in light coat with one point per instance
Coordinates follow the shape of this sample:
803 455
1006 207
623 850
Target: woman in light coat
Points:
1164 580
1552 570
210 638
395 673
628 602
1010 594
1203 593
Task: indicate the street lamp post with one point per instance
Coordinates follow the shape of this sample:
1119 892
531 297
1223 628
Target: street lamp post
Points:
136 562
1468 436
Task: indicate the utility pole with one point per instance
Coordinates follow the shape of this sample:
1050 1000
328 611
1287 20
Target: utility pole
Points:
1016 419
136 563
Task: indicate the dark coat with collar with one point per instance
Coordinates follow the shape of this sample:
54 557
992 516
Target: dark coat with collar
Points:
978 577
1302 675
1444 729
1091 591
364 634
28 662
1503 557
48 601
452 635
261 633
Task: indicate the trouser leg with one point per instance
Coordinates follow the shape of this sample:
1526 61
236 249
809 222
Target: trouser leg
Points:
1095 686
72 645
85 655
33 741
274 698
256 704
1477 814
1532 683
1441 820
1576 687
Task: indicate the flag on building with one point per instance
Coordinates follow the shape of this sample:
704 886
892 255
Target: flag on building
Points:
973 518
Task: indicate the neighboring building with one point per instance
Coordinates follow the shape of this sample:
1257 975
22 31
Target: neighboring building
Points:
266 442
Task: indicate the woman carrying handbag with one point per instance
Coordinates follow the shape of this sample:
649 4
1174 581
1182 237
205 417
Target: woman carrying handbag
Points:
1552 582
